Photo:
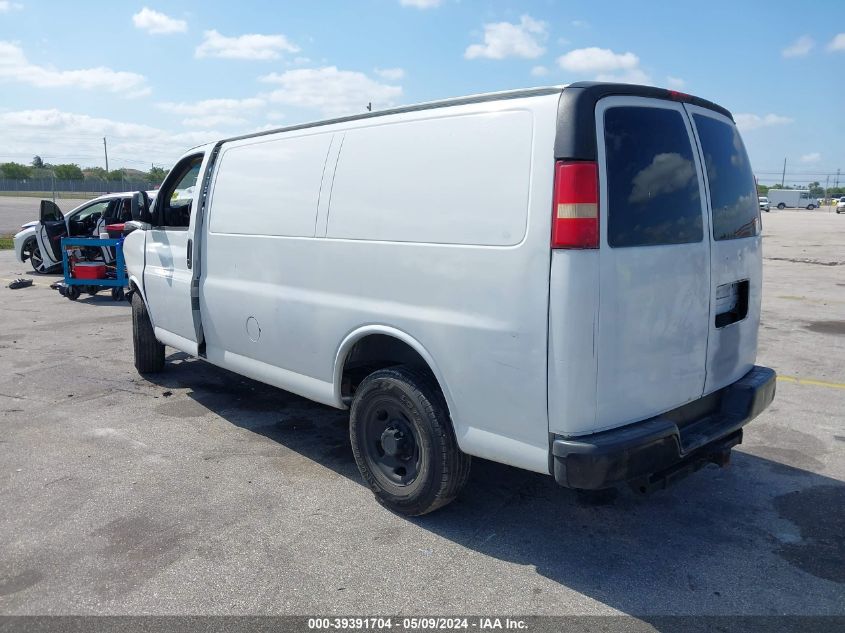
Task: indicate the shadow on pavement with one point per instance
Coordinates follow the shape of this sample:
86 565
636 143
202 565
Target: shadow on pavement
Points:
671 552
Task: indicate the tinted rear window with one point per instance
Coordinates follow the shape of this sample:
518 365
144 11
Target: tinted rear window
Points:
731 182
652 183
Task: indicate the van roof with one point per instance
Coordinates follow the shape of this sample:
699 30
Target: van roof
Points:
577 105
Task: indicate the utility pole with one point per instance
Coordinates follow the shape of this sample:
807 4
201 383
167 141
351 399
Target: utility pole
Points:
106 152
370 106
782 177
836 182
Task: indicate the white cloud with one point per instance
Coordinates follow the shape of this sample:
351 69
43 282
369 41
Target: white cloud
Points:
212 107
330 90
675 82
130 144
390 74
214 120
748 122
812 157
158 23
6 6
211 113
539 71
503 39
597 60
632 76
14 66
421 4
604 64
800 47
249 46
837 43
580 24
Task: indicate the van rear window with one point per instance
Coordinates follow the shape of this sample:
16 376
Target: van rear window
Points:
653 190
733 194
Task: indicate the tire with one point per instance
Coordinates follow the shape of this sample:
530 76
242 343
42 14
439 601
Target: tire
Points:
149 353
781 206
403 441
72 293
92 290
810 207
117 293
31 251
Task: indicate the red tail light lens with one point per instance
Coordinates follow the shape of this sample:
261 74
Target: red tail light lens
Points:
575 221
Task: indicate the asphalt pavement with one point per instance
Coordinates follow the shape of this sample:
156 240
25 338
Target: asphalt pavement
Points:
201 492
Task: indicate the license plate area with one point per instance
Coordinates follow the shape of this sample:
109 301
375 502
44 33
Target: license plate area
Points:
731 303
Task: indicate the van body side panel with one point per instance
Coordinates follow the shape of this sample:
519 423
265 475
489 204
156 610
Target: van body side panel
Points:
440 180
476 302
573 340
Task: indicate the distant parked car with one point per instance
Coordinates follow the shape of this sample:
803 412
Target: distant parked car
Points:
39 241
840 205
765 205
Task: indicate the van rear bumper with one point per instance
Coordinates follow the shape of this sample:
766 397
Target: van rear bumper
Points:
659 450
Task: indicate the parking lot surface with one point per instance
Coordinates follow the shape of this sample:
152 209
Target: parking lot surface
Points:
201 492
16 210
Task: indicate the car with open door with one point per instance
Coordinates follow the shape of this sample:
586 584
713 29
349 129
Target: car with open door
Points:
40 241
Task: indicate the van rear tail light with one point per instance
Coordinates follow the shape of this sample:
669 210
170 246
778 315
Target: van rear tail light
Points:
575 221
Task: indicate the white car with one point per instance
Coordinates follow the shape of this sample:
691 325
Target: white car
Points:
545 278
765 205
840 205
39 241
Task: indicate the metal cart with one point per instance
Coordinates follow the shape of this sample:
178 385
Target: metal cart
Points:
115 277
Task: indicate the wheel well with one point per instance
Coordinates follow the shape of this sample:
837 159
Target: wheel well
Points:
374 352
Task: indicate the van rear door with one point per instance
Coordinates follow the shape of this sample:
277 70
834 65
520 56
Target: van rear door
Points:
654 261
736 248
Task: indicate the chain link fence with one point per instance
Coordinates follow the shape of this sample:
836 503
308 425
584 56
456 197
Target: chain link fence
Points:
88 185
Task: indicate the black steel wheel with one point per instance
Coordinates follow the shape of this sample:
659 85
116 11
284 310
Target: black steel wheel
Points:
92 290
117 293
72 293
403 441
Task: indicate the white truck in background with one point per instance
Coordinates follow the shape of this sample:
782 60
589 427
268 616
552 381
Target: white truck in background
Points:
795 198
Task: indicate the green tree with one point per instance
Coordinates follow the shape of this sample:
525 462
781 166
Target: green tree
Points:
15 170
95 172
157 175
116 174
37 162
68 171
816 189
762 190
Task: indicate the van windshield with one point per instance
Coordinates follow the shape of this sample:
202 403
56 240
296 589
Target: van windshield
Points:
731 181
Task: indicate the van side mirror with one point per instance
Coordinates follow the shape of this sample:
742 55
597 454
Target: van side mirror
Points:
140 207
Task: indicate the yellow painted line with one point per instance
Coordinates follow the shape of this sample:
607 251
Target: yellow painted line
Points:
811 381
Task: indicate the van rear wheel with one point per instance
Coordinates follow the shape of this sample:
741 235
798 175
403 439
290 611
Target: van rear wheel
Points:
149 353
403 441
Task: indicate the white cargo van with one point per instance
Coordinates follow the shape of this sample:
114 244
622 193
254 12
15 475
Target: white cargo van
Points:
566 280
795 198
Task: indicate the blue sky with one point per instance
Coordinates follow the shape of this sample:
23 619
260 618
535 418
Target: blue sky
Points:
157 78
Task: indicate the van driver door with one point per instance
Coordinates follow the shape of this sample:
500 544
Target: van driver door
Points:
169 268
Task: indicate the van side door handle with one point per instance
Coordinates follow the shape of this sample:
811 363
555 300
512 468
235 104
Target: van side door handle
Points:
190 255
